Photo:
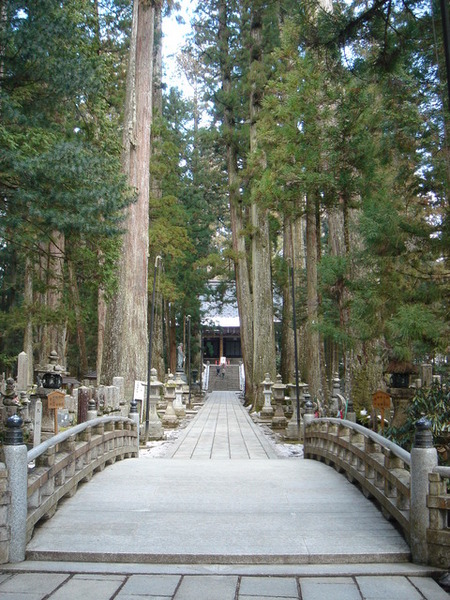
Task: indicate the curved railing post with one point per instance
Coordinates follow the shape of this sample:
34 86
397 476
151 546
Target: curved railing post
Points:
423 461
16 463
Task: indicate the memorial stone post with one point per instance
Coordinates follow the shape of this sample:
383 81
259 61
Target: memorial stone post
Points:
83 404
22 372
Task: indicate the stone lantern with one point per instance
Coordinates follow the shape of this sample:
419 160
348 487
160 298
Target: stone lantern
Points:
50 378
279 420
267 409
155 428
170 418
400 392
50 375
178 405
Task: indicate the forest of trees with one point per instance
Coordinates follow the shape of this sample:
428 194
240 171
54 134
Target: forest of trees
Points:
315 138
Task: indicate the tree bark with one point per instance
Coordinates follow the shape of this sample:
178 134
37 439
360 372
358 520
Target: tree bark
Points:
263 327
293 250
28 301
312 334
126 340
81 338
156 192
237 215
57 330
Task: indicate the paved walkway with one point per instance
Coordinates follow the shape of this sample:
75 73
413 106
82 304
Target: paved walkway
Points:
223 429
205 527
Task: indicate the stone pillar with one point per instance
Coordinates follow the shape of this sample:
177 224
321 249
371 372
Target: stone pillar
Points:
92 410
22 372
155 428
267 409
293 430
423 461
134 416
37 423
170 419
101 398
16 463
426 375
178 405
351 415
335 393
308 416
119 383
83 403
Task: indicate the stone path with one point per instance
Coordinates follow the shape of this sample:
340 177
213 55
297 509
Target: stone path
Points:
121 582
223 429
224 521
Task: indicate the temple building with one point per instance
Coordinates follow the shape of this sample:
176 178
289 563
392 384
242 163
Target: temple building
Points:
221 334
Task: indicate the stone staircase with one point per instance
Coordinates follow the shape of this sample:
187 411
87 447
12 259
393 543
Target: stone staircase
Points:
227 382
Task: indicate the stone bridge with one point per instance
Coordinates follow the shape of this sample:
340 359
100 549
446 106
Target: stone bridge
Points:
223 495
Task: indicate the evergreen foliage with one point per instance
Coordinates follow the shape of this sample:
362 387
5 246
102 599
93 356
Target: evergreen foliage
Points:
349 115
60 148
434 404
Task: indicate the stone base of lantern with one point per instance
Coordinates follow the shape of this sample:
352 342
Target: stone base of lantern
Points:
266 413
279 422
292 431
180 411
170 420
155 430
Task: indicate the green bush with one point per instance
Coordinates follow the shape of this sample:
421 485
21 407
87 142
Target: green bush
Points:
434 404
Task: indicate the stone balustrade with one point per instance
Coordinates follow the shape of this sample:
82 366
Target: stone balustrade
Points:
384 472
438 503
53 470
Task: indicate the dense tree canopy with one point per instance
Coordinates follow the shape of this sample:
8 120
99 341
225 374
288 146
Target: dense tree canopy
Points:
316 137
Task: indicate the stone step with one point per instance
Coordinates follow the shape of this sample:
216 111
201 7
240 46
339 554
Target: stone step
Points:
391 569
229 382
317 562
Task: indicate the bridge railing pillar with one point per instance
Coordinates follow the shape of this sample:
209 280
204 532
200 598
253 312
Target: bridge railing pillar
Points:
423 461
16 463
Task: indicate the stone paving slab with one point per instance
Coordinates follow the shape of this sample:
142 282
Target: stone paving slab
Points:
65 586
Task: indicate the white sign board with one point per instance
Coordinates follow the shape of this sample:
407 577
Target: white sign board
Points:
139 390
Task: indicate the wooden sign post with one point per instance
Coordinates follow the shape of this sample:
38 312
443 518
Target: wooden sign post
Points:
56 400
381 401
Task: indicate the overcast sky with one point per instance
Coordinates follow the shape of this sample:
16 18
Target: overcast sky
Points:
174 36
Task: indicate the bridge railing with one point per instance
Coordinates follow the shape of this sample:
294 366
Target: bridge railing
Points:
41 477
438 503
409 487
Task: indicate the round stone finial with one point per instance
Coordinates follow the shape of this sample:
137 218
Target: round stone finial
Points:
14 435
133 407
309 406
424 436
